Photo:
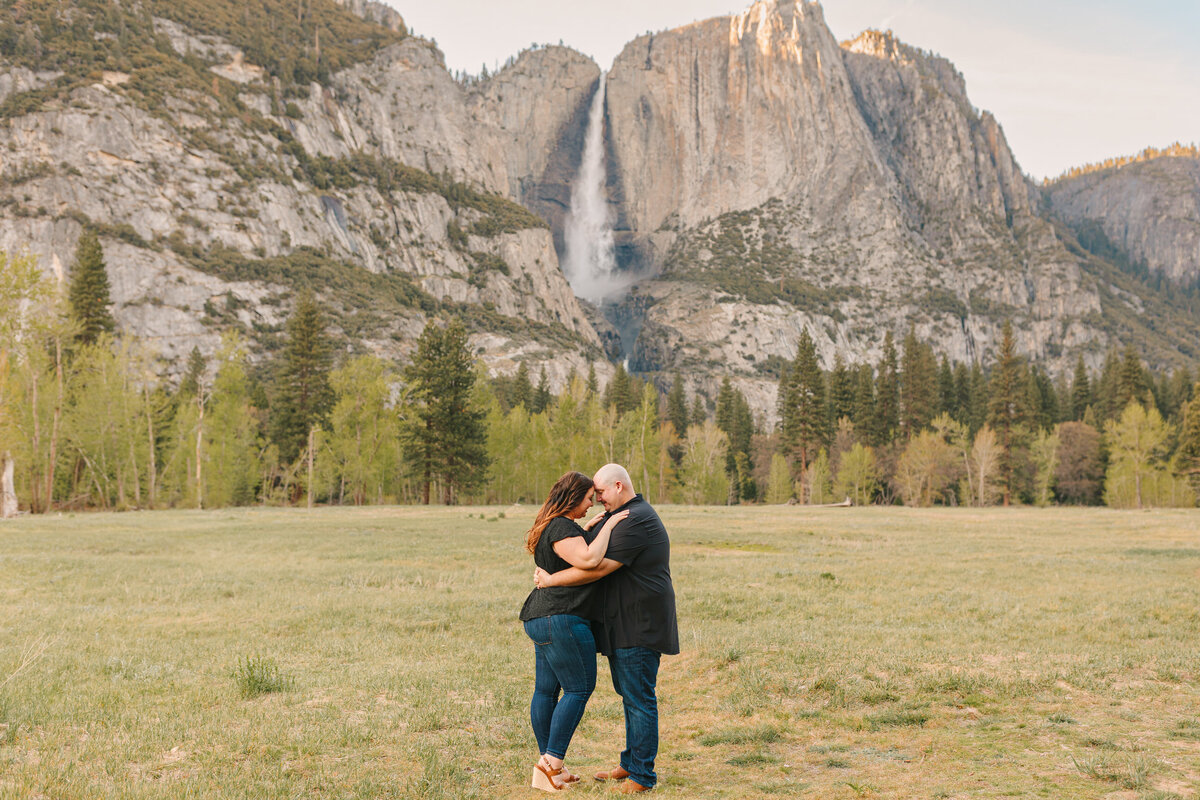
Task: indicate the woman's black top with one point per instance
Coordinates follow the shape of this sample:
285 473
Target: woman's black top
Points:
575 600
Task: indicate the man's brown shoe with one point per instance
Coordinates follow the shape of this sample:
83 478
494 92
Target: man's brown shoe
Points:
630 787
618 774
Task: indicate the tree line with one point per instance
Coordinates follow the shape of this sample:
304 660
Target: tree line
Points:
86 422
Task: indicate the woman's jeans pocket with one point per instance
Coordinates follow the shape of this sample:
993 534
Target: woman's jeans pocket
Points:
538 630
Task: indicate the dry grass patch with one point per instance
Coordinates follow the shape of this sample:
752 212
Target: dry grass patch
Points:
836 653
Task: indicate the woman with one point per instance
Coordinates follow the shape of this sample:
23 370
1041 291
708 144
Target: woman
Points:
556 619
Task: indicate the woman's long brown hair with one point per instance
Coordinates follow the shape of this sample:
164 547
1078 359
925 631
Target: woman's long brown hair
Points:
566 493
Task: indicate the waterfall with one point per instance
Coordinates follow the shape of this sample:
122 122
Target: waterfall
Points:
590 264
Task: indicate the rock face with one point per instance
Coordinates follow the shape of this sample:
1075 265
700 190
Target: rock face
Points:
1149 211
538 109
168 190
780 182
765 180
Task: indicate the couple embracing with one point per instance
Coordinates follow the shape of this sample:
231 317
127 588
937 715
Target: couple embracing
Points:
602 587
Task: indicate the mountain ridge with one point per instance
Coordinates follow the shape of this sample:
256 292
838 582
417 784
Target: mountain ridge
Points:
760 172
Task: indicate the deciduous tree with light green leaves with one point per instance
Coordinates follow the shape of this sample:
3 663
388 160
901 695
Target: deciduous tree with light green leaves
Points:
103 425
1136 445
857 475
360 450
34 329
702 469
1188 464
233 448
779 481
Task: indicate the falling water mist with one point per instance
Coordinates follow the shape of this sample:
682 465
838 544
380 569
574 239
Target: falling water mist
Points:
590 264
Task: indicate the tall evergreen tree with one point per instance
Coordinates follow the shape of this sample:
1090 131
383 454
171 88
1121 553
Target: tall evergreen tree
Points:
1045 399
863 414
301 396
734 418
1081 391
622 391
961 409
918 386
593 386
785 400
946 402
1008 412
541 395
887 395
699 414
88 294
841 390
1132 383
192 374
977 404
807 397
522 388
1189 442
1104 391
444 437
677 411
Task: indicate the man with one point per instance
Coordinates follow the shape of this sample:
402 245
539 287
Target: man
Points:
638 608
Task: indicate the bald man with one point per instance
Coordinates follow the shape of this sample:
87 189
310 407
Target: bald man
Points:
638 608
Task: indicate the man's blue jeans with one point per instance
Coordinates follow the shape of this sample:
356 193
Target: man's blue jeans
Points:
565 659
634 676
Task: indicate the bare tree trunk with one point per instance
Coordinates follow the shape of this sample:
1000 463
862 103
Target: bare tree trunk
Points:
48 494
311 436
35 501
199 443
8 496
152 478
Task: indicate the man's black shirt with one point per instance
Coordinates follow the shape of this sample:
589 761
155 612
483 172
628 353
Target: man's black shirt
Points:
638 606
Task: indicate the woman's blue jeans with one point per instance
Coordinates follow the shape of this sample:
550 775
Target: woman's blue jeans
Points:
565 659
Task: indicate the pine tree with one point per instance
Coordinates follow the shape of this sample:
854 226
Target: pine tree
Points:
593 386
190 383
961 409
863 414
841 390
1189 442
1008 412
541 396
887 395
1131 381
301 396
1105 389
724 418
444 436
699 414
918 386
620 391
785 400
88 294
1081 391
808 400
977 402
946 401
522 389
677 411
1045 405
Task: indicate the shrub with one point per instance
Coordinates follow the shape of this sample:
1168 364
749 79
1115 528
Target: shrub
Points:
256 675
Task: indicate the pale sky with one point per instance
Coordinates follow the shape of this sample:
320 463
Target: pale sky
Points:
1071 81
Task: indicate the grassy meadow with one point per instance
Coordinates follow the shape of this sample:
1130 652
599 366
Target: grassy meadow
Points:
827 653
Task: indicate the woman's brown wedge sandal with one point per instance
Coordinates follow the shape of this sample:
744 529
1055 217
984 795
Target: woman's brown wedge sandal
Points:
543 778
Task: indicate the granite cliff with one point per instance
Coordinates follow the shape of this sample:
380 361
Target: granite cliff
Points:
1144 212
764 179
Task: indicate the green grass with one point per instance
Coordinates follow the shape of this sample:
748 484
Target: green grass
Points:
375 653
